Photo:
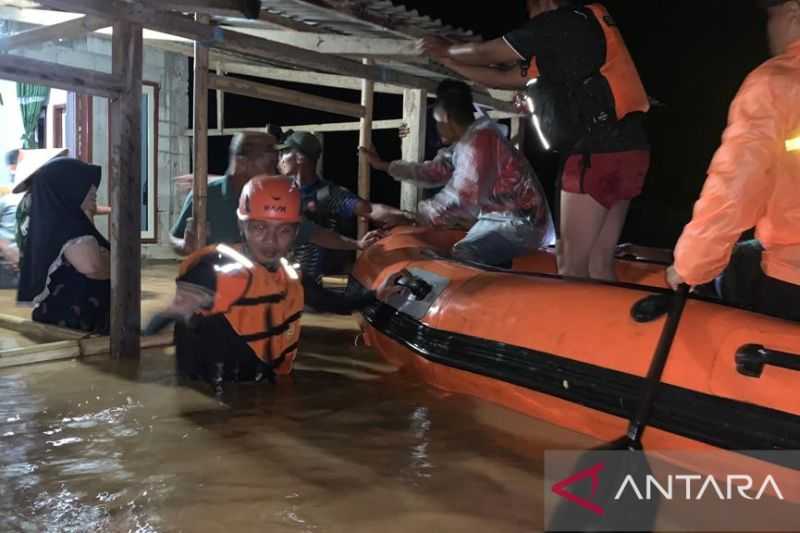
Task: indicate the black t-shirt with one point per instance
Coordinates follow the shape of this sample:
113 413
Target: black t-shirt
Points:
568 45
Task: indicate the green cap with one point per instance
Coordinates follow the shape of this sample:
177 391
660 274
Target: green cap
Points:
304 142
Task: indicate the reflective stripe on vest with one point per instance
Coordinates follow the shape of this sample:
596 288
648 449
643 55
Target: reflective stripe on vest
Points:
793 145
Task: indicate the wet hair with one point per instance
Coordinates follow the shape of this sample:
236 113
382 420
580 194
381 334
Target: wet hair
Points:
455 98
12 157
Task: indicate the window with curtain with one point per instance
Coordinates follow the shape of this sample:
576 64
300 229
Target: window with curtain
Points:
31 100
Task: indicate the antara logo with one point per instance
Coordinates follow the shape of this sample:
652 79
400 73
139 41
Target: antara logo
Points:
275 208
689 486
593 473
735 486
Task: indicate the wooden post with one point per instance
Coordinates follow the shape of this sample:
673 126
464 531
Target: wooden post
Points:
220 103
126 177
365 139
414 115
200 186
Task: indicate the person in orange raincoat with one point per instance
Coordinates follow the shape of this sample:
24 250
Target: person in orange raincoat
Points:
754 180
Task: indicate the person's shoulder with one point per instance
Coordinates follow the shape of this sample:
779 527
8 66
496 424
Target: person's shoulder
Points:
771 81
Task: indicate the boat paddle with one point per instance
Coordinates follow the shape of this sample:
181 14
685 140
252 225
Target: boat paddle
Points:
624 514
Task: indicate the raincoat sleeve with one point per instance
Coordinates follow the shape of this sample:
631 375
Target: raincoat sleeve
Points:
459 202
739 181
428 175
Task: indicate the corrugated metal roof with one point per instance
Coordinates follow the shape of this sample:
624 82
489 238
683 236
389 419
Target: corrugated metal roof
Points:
379 18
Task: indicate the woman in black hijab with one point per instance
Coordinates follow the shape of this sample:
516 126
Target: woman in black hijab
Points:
65 266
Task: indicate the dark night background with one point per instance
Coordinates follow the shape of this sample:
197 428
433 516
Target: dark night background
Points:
692 56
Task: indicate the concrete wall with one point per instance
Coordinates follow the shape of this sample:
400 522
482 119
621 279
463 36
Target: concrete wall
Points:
171 73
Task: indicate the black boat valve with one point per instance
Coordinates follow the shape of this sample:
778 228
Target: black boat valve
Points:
419 288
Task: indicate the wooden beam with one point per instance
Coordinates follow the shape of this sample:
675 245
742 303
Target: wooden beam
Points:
304 76
365 139
38 329
284 96
253 47
71 349
328 43
125 157
79 80
65 31
415 108
52 351
391 124
200 184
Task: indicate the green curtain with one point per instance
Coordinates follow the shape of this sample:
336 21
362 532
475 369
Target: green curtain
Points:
31 100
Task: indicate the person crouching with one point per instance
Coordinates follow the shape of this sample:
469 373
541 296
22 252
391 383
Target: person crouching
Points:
237 308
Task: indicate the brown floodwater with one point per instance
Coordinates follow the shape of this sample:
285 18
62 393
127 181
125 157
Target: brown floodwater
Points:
345 444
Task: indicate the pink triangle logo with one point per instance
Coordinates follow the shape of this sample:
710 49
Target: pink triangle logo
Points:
593 473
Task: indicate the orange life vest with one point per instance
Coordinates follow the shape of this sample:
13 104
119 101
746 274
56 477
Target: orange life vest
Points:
263 307
619 68
564 112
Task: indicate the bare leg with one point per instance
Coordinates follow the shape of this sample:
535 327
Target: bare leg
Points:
582 220
602 261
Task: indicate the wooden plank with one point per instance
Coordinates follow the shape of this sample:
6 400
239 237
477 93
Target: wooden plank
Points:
303 76
413 145
200 184
391 124
284 96
38 329
65 31
125 157
54 351
72 349
50 74
327 43
253 47
365 139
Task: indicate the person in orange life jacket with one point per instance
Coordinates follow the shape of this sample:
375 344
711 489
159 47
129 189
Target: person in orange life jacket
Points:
237 308
753 180
590 106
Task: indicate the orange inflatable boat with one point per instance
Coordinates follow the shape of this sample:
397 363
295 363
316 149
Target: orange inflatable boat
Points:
574 352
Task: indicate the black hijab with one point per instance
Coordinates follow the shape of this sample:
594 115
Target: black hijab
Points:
58 189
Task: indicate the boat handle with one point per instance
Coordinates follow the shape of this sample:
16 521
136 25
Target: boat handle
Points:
752 358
